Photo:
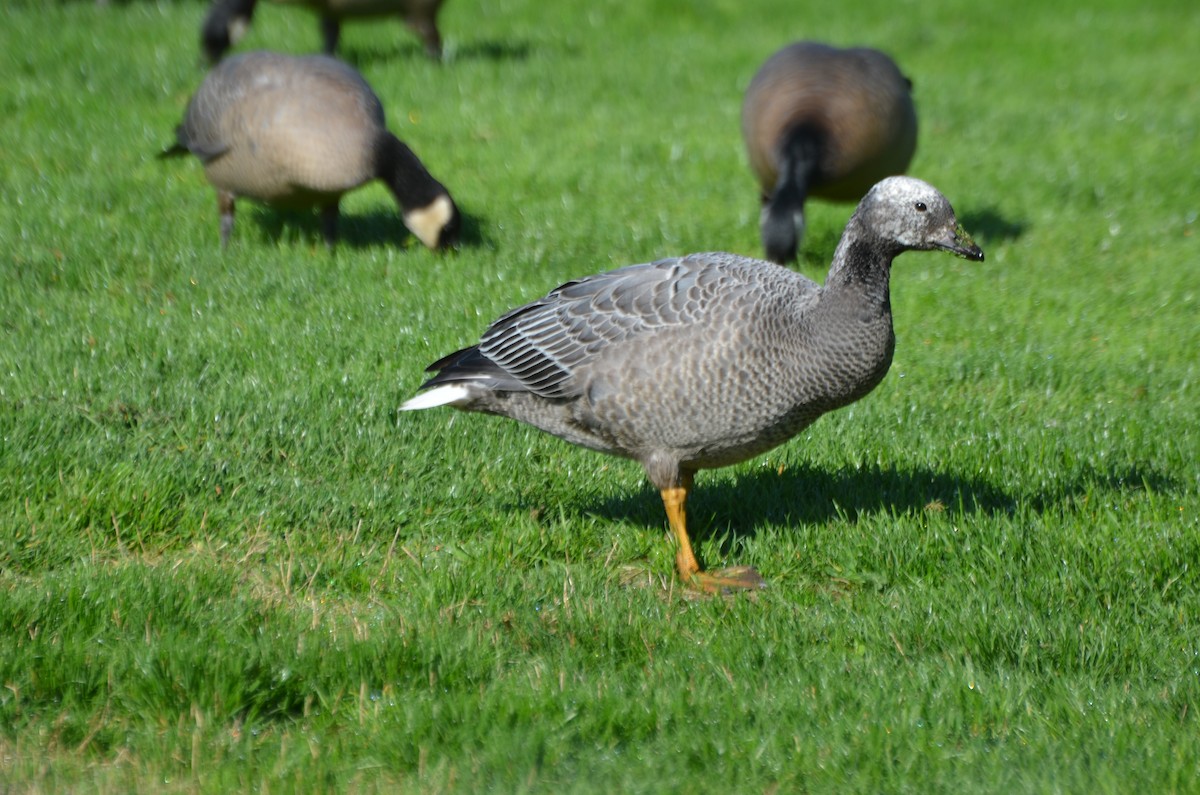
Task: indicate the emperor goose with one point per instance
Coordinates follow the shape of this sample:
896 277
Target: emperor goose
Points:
702 361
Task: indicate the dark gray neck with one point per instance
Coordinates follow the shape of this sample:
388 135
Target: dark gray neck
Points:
862 264
854 319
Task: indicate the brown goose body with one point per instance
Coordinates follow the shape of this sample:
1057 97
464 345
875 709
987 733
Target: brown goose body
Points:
227 21
703 361
826 122
299 132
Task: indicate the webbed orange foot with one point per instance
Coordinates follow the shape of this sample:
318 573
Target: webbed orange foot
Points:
730 580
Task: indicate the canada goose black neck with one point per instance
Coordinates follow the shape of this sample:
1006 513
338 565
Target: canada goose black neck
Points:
425 204
783 216
225 23
408 179
800 156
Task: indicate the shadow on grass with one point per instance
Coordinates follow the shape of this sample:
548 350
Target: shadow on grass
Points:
806 495
809 496
989 225
497 51
355 230
493 51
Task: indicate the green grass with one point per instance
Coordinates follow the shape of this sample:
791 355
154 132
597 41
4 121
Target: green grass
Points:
227 563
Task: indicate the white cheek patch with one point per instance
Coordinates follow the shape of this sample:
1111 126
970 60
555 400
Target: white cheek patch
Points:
237 29
428 222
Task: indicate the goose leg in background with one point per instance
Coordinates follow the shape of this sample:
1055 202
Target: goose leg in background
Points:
329 225
331 30
225 209
427 30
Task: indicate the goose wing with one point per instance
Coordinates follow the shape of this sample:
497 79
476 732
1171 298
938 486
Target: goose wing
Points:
545 346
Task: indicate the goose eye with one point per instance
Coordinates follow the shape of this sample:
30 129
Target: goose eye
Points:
920 207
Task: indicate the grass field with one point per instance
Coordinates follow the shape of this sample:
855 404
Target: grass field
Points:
227 563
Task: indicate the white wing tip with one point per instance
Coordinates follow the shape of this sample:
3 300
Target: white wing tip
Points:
446 395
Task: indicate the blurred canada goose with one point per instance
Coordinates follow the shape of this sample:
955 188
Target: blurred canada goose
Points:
300 131
826 122
227 21
705 361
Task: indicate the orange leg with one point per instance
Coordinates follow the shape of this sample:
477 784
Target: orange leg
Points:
735 578
674 500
